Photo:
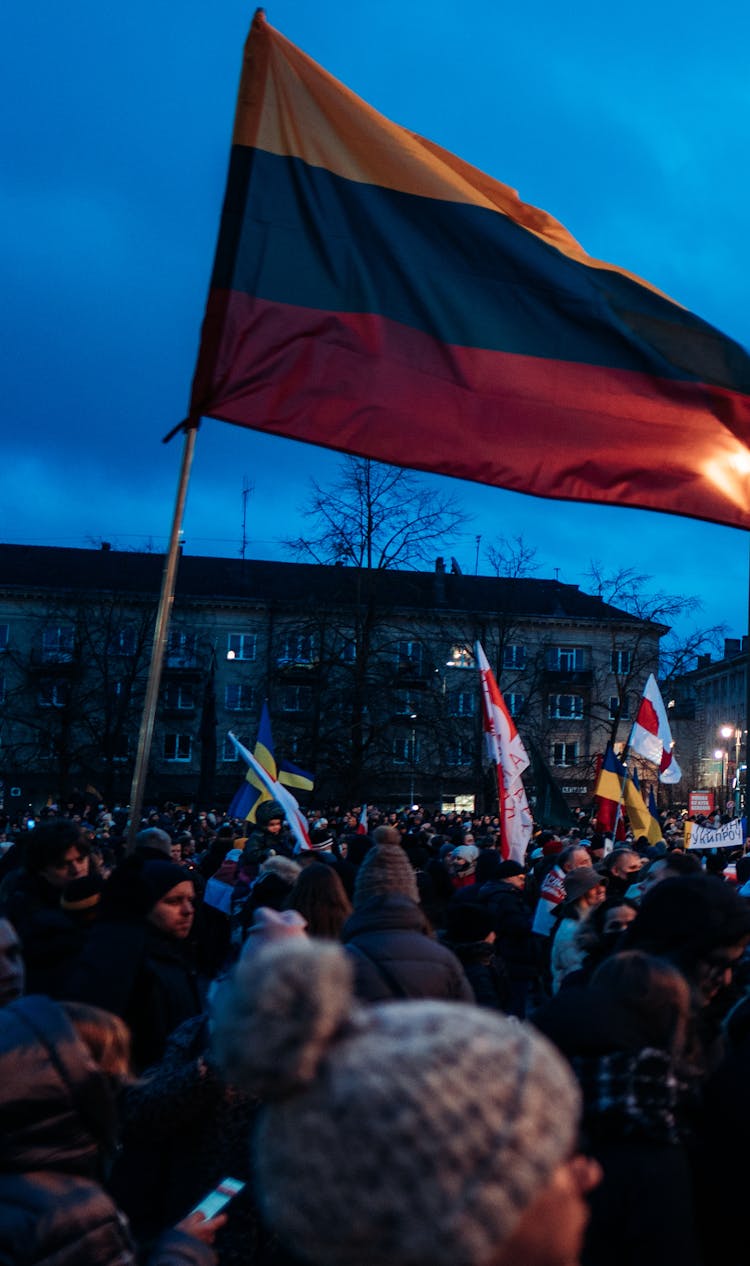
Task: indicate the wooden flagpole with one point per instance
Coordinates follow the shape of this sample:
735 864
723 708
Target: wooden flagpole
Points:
164 611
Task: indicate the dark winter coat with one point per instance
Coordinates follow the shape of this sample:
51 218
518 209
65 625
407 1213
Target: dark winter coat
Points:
133 969
191 1130
638 1113
512 915
56 1116
50 938
484 971
394 956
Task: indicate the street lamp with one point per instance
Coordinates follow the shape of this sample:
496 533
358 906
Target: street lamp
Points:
720 754
735 732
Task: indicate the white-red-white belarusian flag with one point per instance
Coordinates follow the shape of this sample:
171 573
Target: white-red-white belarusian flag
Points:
505 749
363 824
651 736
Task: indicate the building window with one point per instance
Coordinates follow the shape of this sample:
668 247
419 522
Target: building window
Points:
403 704
514 656
238 698
2 688
179 696
182 649
457 753
514 703
52 694
297 648
564 754
567 659
460 657
58 643
406 750
122 641
408 657
462 703
614 707
348 651
228 751
177 747
241 646
295 698
4 635
620 662
566 707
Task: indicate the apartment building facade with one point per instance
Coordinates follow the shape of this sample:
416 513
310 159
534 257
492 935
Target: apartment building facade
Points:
369 676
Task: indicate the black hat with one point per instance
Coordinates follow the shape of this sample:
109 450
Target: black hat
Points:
465 922
506 870
690 916
159 878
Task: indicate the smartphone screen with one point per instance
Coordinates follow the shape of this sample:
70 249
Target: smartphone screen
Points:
217 1199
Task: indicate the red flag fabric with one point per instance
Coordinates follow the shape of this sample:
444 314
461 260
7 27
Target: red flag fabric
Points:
506 750
651 736
375 294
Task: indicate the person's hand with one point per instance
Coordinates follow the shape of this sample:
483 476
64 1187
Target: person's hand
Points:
202 1228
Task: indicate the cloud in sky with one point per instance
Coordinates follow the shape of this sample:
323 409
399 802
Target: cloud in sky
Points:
630 127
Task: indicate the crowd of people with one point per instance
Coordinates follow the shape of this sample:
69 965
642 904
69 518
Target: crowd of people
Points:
405 1047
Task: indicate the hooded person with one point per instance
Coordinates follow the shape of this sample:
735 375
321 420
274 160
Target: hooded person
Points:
417 1134
135 961
267 836
388 937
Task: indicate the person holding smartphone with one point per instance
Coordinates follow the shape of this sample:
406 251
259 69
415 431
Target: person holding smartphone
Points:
61 1065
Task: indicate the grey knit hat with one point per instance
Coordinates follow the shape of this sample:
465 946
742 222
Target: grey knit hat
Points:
395 1135
386 871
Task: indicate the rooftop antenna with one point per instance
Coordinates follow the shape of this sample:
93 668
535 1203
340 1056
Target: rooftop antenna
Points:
476 556
247 490
556 570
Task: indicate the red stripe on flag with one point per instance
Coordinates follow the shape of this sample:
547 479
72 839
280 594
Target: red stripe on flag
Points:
647 717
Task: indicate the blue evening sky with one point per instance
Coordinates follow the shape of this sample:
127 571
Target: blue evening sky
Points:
628 124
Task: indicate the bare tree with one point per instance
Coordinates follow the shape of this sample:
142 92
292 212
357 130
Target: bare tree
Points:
510 556
372 518
631 591
378 517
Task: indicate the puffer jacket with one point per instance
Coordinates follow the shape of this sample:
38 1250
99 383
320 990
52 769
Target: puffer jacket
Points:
57 1117
394 956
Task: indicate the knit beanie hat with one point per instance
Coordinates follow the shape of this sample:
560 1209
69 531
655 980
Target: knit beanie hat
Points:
395 1135
159 878
321 840
510 869
463 860
270 925
386 871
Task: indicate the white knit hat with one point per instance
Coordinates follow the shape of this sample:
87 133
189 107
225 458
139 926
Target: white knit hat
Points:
407 1133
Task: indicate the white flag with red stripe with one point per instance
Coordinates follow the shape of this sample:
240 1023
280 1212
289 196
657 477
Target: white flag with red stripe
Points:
651 736
506 750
